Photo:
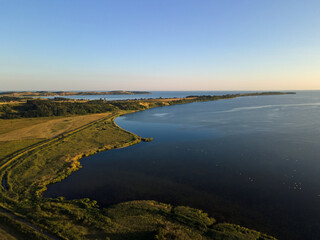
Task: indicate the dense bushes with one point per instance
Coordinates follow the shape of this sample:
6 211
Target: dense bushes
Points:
7 112
128 105
9 99
47 108
192 217
64 107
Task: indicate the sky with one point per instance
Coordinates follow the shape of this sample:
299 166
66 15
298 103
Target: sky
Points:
159 45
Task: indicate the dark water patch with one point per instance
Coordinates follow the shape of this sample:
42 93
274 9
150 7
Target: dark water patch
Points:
4 182
252 161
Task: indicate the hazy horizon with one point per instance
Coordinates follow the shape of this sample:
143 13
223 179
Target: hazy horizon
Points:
138 90
160 45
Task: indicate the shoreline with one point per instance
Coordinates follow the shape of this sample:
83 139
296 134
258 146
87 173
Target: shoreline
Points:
76 159
11 194
137 139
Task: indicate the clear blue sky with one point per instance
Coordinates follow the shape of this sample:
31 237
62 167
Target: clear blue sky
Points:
159 44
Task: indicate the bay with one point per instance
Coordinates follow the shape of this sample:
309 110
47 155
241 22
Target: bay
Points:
152 94
253 161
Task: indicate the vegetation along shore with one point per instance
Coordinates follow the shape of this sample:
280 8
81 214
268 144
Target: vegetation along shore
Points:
42 141
68 93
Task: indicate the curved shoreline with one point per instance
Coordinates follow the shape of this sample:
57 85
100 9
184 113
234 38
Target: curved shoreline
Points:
76 160
10 195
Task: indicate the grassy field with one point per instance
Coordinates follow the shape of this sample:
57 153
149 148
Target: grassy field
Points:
10 147
48 150
48 127
16 134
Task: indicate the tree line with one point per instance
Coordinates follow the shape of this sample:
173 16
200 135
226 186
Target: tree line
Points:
64 107
48 108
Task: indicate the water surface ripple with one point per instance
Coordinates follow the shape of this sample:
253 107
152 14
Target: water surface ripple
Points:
252 161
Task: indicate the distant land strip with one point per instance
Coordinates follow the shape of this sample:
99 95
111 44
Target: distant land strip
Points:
67 93
16 107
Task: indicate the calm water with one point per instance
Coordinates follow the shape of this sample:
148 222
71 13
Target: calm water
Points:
253 161
153 94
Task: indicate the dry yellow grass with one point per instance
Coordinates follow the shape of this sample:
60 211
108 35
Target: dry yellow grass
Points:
8 125
144 104
164 99
20 129
13 102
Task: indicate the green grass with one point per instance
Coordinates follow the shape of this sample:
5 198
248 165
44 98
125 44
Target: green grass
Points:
9 147
48 162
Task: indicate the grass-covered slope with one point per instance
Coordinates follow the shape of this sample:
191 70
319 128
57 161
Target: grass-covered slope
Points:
153 220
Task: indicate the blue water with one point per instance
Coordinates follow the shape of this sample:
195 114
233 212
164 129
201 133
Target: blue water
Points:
253 161
153 94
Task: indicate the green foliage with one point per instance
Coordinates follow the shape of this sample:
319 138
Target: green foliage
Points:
146 139
48 108
7 111
9 99
192 217
173 232
226 231
128 105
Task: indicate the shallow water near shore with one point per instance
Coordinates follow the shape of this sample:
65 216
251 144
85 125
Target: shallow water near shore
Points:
253 161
